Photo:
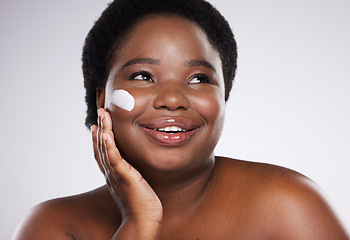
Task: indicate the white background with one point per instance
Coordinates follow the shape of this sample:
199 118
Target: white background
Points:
289 106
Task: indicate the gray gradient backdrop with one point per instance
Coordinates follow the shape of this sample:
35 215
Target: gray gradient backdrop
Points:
290 104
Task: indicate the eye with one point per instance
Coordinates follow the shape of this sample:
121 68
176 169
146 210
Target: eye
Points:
141 76
199 78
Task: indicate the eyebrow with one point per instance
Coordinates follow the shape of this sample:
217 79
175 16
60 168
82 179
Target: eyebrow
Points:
200 63
151 61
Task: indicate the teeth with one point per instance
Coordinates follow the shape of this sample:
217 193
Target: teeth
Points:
171 129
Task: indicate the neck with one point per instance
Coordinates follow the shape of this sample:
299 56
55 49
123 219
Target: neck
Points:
182 194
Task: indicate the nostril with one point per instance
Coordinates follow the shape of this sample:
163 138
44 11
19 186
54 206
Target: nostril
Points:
171 108
182 108
171 99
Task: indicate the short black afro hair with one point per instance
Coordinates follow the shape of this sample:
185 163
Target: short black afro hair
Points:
121 15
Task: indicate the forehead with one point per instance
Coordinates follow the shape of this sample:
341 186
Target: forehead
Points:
162 35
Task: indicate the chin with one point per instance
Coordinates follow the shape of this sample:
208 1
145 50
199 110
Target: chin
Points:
171 163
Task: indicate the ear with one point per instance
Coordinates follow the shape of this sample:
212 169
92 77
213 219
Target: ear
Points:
100 98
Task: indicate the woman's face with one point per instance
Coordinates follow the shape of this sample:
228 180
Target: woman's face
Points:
175 77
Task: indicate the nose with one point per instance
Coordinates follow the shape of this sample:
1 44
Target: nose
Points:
171 97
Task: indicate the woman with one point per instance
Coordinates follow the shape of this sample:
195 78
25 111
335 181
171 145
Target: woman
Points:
158 74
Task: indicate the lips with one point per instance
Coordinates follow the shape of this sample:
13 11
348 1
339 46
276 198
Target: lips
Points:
171 130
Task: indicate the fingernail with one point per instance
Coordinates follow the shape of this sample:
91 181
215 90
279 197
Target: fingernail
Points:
100 113
92 128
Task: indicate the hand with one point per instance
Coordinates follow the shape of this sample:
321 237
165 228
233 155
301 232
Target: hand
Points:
139 205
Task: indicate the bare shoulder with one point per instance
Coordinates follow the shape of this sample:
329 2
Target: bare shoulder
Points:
74 217
288 204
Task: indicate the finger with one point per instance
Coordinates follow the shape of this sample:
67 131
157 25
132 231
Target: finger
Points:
93 129
114 165
106 122
106 125
113 157
99 140
119 169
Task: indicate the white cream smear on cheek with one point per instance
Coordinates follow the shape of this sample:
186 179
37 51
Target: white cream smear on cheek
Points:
123 99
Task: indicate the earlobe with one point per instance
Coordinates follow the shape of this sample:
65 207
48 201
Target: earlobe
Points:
100 98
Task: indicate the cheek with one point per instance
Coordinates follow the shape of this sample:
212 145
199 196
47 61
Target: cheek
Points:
121 105
123 120
122 99
124 106
211 107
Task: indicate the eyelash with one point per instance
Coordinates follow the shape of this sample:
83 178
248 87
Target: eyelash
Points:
202 78
144 75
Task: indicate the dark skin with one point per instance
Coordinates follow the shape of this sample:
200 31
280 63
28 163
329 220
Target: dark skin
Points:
177 189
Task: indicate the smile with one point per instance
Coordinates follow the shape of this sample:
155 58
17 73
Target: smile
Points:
173 136
170 131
